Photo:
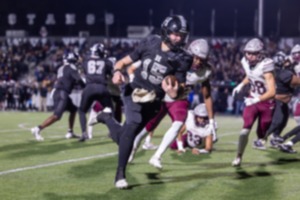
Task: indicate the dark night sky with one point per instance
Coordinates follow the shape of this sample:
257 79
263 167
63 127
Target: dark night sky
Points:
137 13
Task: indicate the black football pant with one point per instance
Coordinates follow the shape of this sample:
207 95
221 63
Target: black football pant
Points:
91 93
137 116
279 119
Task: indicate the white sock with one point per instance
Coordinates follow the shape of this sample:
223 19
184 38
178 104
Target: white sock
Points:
138 138
168 138
243 140
148 139
90 130
289 143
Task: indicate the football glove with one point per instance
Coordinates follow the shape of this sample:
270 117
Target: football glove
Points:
250 101
237 89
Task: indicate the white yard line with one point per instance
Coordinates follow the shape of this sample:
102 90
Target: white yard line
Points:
56 163
23 126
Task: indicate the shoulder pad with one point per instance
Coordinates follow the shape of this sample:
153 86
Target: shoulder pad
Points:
267 65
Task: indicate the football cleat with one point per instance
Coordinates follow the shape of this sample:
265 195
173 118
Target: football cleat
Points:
70 135
149 146
36 133
155 162
121 184
286 148
236 162
105 114
275 141
259 144
84 137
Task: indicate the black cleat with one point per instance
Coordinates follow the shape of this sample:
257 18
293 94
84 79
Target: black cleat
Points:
276 141
104 115
83 138
286 148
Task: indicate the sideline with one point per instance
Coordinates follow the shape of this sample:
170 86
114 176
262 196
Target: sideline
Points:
57 163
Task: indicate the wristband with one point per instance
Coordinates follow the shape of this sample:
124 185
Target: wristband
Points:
131 77
179 145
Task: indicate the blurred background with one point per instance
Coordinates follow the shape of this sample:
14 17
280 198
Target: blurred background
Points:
207 17
34 35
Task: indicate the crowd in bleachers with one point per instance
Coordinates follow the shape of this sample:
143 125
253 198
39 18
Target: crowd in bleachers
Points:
28 69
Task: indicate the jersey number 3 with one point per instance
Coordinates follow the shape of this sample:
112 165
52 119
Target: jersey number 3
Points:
95 67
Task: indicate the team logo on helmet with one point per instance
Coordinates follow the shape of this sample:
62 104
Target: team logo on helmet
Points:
71 57
98 50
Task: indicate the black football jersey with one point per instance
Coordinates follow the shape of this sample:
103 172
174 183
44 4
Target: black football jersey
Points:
157 64
97 70
67 78
283 79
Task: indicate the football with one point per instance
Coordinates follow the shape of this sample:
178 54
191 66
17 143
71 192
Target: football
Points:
171 79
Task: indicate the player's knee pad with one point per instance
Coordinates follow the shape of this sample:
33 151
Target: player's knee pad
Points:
245 132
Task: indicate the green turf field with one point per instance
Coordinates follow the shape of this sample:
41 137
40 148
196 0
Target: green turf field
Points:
58 169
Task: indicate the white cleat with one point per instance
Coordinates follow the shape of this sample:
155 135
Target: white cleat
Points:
70 135
236 162
121 184
149 146
155 162
36 133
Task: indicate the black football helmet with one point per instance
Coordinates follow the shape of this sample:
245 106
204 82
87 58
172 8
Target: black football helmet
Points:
71 57
175 24
279 58
98 50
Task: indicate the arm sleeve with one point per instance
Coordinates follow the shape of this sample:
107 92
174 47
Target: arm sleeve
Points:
268 65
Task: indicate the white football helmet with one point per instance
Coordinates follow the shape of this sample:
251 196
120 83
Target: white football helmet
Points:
254 45
199 48
200 110
254 51
295 52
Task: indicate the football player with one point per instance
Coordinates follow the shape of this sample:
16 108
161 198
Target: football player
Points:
197 132
160 56
287 147
295 59
199 72
286 80
67 78
97 69
260 104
